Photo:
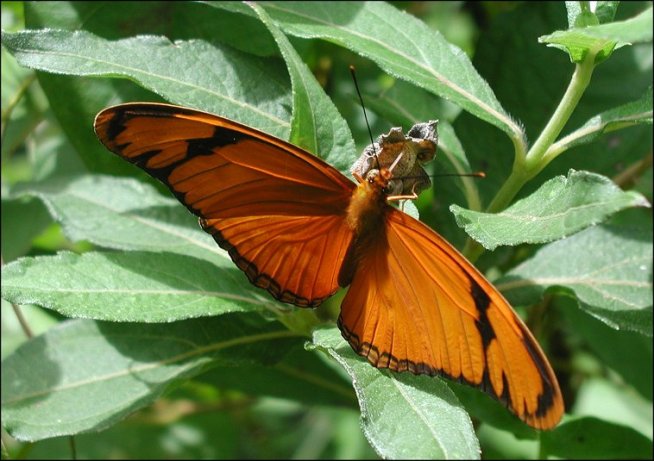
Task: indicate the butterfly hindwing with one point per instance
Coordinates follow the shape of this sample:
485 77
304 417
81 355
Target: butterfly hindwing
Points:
415 304
278 210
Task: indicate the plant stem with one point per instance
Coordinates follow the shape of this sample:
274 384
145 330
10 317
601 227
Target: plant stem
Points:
6 112
536 159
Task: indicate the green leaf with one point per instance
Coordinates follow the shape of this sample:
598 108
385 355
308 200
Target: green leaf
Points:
579 45
24 102
570 440
601 40
75 101
299 377
403 415
130 287
633 113
628 354
13 327
123 214
635 30
611 401
608 268
18 234
561 207
175 20
407 104
333 140
198 435
579 14
85 376
230 84
605 10
400 44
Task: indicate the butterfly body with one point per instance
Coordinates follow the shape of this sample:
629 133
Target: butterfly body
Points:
300 229
366 214
367 207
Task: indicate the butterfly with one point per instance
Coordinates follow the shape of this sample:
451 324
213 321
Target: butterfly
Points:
300 229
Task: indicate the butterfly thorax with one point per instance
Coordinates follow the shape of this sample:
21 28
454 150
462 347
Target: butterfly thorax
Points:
365 214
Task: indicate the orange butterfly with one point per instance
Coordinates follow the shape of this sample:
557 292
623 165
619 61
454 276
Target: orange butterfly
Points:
300 229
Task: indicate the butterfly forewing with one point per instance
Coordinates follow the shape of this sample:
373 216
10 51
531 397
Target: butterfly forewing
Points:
275 208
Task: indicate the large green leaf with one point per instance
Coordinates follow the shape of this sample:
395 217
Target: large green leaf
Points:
404 416
317 126
130 286
400 44
633 113
122 214
84 375
231 84
608 269
175 20
561 207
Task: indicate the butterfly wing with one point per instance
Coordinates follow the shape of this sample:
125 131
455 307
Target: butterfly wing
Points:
416 304
278 210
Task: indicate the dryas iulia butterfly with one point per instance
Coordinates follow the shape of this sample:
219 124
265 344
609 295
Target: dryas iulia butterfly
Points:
300 229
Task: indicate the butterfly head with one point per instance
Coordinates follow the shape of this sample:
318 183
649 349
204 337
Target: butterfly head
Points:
382 180
377 181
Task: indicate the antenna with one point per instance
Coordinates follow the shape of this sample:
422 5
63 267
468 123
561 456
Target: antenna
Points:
356 85
476 174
